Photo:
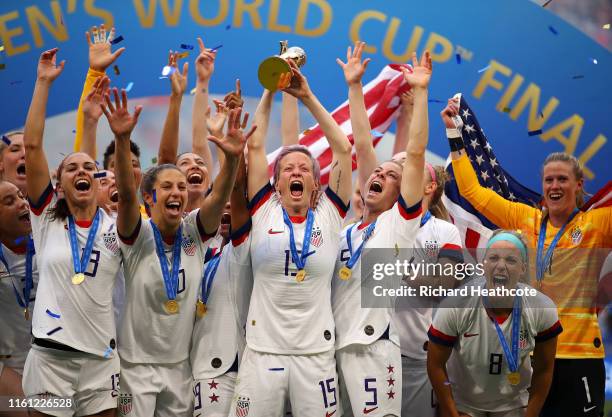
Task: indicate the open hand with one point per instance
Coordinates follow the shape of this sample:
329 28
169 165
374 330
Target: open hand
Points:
354 68
205 62
178 80
232 145
215 123
421 71
449 112
119 118
91 104
47 69
100 55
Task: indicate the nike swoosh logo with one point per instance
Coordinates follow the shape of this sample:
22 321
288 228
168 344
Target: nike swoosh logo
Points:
586 410
328 414
470 334
366 411
274 232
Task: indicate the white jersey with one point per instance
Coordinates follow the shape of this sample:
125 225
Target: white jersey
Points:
286 316
14 327
79 316
148 333
412 317
396 227
477 368
218 336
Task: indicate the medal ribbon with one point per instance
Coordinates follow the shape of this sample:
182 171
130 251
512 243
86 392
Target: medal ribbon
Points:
425 218
543 261
170 281
209 276
27 288
80 264
300 260
512 357
355 256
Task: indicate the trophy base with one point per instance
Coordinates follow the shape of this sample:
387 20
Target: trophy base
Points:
270 71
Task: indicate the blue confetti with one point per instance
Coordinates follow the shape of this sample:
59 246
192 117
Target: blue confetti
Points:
154 196
577 77
108 352
553 30
276 369
19 240
166 71
186 46
73 130
57 329
483 69
431 100
535 132
216 48
129 87
117 40
376 133
228 27
100 174
458 58
55 316
6 140
19 81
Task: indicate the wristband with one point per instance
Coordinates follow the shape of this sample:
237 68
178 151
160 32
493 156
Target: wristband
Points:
455 141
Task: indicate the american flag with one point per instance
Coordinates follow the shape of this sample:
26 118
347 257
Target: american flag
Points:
382 100
475 229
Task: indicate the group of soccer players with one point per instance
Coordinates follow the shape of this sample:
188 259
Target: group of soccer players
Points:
173 293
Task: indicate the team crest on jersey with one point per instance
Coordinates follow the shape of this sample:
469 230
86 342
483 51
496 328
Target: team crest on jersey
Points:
110 241
576 235
316 239
189 246
431 248
242 406
125 404
523 339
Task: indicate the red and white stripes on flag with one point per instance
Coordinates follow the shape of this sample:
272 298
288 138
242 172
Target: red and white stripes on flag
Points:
602 198
382 100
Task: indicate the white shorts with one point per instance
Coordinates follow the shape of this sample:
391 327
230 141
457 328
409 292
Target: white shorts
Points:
417 393
517 412
15 361
156 389
90 381
265 381
213 397
372 377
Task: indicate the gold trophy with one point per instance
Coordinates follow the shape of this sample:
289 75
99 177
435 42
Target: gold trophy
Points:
271 69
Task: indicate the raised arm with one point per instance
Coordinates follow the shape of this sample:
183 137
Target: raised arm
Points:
232 146
92 113
290 120
341 169
122 124
36 162
238 201
100 58
437 356
418 133
168 146
353 69
204 68
257 175
403 121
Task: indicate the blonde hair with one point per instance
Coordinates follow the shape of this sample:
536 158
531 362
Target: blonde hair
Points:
577 169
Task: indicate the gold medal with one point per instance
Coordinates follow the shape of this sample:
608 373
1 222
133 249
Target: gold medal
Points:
301 274
514 378
26 314
201 309
345 273
172 306
78 279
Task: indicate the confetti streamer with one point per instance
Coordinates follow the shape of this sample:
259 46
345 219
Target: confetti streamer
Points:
228 27
432 100
593 60
50 313
57 329
73 130
6 140
458 58
535 132
192 92
547 3
166 71
553 30
182 55
116 40
186 46
116 68
129 87
577 77
216 48
483 69
100 174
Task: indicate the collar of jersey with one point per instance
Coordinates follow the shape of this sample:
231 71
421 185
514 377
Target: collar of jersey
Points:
83 223
297 219
363 225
